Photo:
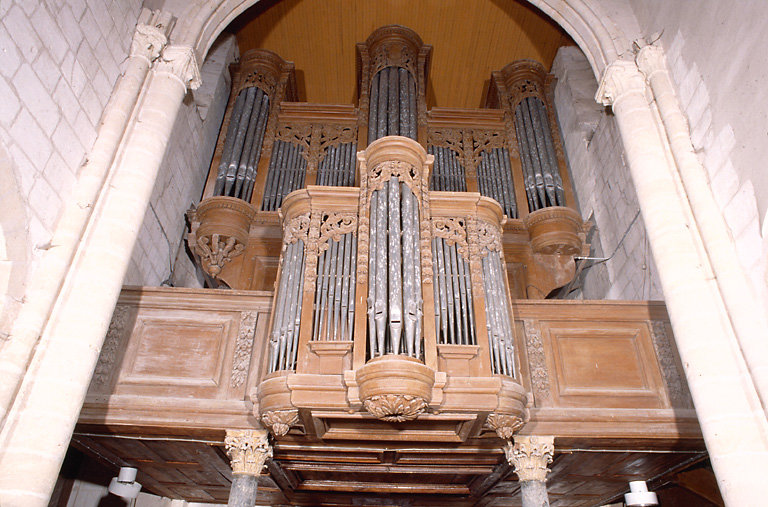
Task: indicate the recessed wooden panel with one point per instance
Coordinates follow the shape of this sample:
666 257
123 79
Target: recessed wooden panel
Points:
588 362
182 353
610 365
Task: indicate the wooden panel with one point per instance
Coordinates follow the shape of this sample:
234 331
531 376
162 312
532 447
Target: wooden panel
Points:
604 366
178 352
319 36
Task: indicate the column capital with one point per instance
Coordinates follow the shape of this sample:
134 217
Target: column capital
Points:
248 450
180 62
530 456
650 59
619 78
151 34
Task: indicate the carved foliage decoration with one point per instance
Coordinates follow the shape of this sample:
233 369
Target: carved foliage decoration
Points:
243 348
334 226
394 54
536 360
453 231
248 450
676 385
395 407
488 238
315 138
111 347
280 421
469 144
266 81
475 266
408 174
296 229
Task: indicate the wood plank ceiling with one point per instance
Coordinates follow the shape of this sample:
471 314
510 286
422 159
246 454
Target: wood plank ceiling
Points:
470 39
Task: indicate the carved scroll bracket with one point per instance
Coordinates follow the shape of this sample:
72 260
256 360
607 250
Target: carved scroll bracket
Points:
296 229
453 231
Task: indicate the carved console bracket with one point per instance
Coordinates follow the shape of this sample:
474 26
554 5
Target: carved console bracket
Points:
248 450
219 231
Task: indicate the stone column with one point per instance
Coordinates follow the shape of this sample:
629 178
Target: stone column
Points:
530 456
38 427
732 419
247 450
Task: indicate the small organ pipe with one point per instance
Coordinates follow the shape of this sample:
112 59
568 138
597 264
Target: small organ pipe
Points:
412 113
373 111
381 118
393 115
404 129
351 297
507 170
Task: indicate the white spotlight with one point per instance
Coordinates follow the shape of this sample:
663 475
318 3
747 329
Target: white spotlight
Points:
125 485
639 496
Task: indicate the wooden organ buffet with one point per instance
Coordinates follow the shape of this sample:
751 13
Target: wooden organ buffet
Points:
384 269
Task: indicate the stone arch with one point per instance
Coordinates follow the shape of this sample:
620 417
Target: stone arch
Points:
603 36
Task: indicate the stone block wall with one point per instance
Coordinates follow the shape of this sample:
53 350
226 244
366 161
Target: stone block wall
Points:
603 188
58 64
159 255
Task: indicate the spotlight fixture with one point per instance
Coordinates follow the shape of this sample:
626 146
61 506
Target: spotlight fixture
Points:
639 496
125 485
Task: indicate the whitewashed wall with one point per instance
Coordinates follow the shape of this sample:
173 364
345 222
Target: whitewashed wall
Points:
58 64
603 187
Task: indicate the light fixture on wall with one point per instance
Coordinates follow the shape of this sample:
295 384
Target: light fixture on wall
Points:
125 485
639 496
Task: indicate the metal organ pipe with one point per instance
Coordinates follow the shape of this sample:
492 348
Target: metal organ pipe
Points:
393 104
287 171
242 145
543 183
285 326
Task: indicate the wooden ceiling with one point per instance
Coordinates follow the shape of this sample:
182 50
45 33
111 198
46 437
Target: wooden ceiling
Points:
470 39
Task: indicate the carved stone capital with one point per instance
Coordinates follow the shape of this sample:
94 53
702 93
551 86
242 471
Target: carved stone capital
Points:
181 62
650 59
151 34
248 450
504 425
280 421
530 456
620 78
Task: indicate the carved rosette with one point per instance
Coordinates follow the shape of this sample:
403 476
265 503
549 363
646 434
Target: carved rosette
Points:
395 407
504 425
530 456
219 231
280 421
248 450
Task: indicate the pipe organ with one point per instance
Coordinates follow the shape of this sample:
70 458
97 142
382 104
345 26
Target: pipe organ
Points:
395 264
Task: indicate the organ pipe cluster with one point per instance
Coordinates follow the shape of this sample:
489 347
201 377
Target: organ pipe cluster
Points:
242 147
334 303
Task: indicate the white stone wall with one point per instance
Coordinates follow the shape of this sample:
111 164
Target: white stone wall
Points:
58 64
603 188
159 254
718 60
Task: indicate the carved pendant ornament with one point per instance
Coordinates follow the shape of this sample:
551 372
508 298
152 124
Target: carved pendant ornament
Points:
280 421
504 425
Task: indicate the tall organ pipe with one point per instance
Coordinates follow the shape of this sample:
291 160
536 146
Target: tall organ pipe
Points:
394 275
242 144
393 104
543 183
